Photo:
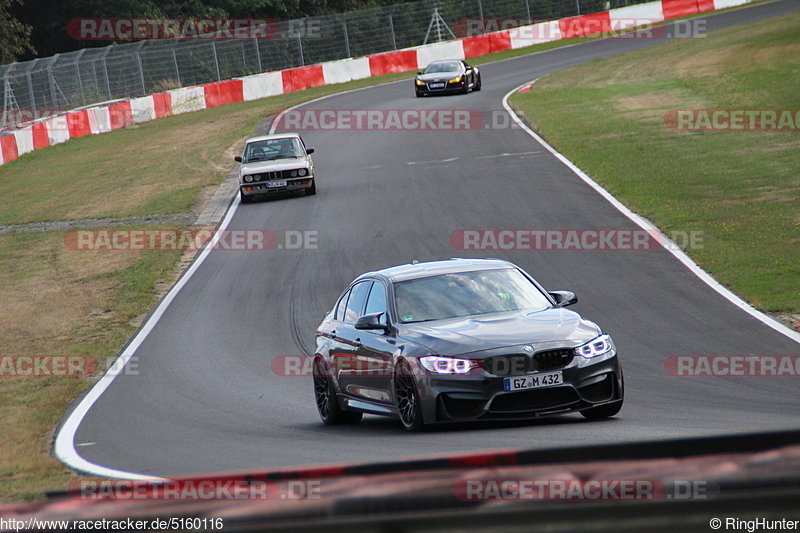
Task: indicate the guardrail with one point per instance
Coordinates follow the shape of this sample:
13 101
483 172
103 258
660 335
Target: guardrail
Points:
115 114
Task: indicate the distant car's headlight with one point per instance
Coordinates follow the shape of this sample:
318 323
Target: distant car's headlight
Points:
596 347
446 365
302 172
248 178
420 82
292 173
457 79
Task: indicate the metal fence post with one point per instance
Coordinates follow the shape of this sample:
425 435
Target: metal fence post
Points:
141 71
578 5
528 10
31 94
52 83
105 70
175 62
258 54
346 37
391 28
216 60
78 73
480 15
300 47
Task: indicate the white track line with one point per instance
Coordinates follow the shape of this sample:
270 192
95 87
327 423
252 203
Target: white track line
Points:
648 226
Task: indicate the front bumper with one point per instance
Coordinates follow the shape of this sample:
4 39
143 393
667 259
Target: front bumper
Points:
447 89
262 188
480 395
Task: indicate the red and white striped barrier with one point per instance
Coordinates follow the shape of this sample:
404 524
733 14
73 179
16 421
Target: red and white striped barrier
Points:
105 118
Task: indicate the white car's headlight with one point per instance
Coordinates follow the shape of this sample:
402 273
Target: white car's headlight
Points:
292 173
302 172
596 347
248 178
446 365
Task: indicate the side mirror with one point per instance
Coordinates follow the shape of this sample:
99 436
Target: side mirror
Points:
563 298
309 151
238 159
371 322
419 73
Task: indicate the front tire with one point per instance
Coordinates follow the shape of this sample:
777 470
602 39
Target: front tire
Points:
245 199
406 397
327 402
311 191
477 84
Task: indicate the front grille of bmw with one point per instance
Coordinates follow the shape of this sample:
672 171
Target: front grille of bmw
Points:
273 175
516 364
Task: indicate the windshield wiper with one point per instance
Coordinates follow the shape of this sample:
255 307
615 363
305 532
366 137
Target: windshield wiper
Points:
281 157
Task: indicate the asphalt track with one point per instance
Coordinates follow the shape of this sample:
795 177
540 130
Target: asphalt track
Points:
206 398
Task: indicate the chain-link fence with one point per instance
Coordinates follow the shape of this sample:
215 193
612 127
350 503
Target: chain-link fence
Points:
92 75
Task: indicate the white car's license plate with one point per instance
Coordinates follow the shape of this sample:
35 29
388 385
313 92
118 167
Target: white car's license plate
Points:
533 381
437 85
281 183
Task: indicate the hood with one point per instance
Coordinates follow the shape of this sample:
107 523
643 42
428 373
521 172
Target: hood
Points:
550 328
439 76
278 164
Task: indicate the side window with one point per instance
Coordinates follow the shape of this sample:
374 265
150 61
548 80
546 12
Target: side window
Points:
356 302
340 306
376 302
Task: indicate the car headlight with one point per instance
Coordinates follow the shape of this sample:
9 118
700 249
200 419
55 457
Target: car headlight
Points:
457 79
420 82
596 347
446 365
248 178
292 173
302 172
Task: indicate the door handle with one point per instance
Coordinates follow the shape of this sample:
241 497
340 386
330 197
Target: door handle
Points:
333 335
357 343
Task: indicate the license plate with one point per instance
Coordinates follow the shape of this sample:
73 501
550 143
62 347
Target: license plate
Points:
437 85
281 183
533 381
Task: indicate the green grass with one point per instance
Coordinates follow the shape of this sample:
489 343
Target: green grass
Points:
740 189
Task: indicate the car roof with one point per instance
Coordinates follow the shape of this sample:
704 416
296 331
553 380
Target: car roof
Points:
274 136
435 268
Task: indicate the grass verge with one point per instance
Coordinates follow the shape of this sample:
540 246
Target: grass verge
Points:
741 189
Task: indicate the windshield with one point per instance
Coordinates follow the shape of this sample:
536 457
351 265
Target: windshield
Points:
449 66
466 293
286 148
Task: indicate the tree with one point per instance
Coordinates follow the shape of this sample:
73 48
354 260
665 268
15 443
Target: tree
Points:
14 35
